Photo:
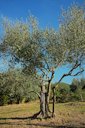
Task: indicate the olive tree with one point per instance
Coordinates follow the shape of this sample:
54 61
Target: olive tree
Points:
41 52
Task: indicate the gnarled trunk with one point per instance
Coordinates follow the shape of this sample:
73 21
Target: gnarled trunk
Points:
44 100
44 103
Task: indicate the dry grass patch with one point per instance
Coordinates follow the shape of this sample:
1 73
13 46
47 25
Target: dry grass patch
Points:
67 115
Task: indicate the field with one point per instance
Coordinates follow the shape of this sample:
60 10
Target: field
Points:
68 115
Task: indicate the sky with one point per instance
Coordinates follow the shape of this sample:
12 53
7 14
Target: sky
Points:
46 11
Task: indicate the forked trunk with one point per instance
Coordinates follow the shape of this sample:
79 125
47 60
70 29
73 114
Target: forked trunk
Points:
44 103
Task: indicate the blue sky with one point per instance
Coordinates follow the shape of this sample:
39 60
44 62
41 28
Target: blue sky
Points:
46 11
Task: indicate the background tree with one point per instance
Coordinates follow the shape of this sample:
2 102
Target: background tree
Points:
76 89
15 87
62 92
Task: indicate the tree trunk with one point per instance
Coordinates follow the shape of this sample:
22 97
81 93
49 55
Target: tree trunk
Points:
48 95
42 112
44 106
45 98
44 103
53 106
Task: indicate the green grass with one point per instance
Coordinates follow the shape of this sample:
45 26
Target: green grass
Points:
66 114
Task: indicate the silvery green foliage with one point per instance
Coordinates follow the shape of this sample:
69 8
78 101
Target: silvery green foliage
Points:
47 49
55 49
23 40
72 34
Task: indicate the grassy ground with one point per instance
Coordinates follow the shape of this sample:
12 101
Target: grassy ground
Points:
68 115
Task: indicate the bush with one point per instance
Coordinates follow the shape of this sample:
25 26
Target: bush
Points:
75 97
5 99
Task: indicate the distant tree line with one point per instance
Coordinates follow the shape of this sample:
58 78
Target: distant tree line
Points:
15 87
70 93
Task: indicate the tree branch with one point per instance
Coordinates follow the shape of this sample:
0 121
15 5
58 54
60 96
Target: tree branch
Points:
47 65
70 73
78 73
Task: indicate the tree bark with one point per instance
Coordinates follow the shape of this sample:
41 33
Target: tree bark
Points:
48 97
42 104
53 106
44 99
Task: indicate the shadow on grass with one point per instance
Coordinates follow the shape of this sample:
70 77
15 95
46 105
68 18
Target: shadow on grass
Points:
32 124
39 125
16 118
